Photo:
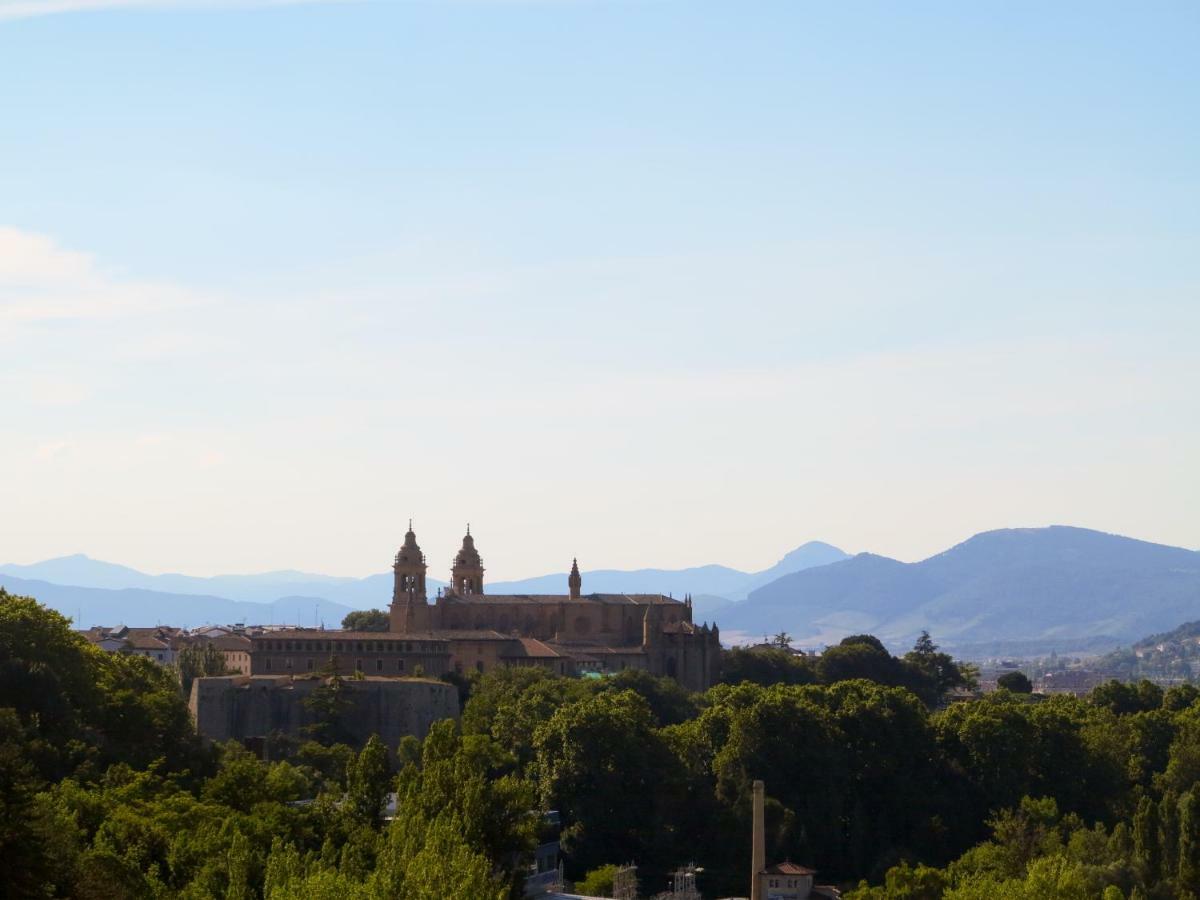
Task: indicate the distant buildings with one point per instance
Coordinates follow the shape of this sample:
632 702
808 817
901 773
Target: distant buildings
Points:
572 633
465 630
164 643
161 644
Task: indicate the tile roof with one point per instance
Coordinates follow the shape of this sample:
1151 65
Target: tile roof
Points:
616 599
229 642
788 868
332 634
145 642
532 647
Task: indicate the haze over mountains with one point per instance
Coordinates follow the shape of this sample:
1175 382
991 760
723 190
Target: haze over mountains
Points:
1031 590
97 592
1056 587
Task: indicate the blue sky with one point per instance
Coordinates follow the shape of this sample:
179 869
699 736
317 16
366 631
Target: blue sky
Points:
650 283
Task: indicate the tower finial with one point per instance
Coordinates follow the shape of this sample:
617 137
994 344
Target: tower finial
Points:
410 523
468 528
574 581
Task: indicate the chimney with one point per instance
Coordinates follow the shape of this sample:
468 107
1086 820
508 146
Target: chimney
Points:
758 854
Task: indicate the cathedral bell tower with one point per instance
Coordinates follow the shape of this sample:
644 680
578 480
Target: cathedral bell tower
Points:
410 609
575 580
466 575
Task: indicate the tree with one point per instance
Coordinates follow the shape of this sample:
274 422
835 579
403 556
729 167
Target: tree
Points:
766 665
368 782
199 661
670 702
938 673
605 766
328 703
1015 682
862 656
782 640
598 882
83 705
366 620
28 832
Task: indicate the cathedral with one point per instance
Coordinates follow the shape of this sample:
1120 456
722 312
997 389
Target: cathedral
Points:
571 633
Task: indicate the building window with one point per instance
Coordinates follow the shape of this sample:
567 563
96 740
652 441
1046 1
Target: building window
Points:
379 665
479 666
360 646
400 665
310 665
358 665
268 666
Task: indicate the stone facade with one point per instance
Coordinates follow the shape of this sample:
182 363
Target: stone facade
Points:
249 707
571 633
303 650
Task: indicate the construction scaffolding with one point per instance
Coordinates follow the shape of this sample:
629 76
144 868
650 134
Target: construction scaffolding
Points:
625 883
683 884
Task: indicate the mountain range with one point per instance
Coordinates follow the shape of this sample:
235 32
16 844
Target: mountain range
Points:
1007 591
97 592
1060 587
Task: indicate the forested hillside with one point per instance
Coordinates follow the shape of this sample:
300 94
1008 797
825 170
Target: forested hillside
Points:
107 793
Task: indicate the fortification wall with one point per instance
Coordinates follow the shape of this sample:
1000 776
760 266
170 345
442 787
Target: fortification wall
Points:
255 706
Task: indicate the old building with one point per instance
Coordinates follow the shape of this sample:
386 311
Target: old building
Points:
568 633
160 644
781 881
235 648
298 650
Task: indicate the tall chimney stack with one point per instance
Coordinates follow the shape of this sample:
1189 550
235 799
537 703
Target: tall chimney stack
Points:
758 853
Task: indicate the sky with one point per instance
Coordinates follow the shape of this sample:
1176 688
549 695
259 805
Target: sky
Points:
657 283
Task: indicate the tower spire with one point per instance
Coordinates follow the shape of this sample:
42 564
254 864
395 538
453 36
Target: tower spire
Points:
575 580
466 574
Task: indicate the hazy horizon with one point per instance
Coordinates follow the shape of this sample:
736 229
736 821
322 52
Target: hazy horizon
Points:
653 284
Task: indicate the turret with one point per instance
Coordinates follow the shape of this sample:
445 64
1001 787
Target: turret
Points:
466 575
409 569
575 580
409 610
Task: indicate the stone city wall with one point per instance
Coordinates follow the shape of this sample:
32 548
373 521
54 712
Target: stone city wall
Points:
239 707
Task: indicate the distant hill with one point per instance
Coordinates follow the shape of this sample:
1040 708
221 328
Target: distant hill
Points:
1045 585
80 582
712 587
88 606
265 587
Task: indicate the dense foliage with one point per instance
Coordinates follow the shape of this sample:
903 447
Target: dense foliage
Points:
366 620
106 792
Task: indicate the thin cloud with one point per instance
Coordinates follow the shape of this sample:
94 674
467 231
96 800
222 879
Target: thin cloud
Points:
41 281
25 9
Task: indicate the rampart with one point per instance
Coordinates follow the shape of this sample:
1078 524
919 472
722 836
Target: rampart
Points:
241 707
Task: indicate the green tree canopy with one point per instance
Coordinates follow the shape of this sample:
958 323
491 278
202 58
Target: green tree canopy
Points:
366 620
1015 682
